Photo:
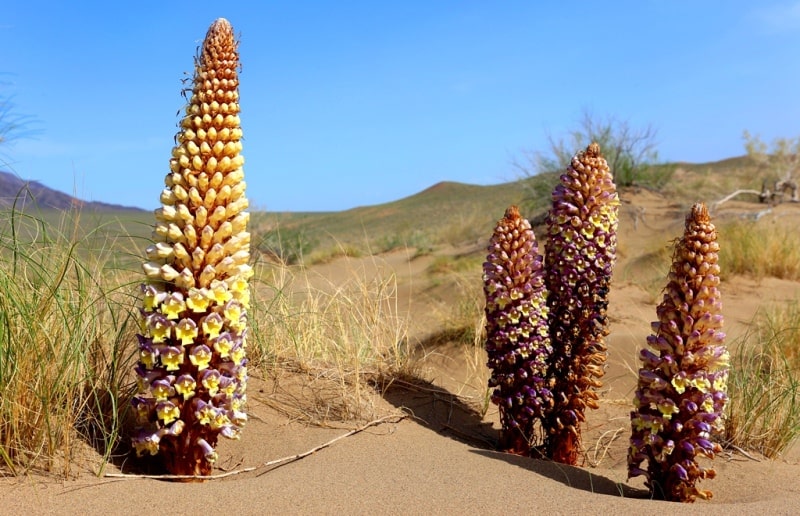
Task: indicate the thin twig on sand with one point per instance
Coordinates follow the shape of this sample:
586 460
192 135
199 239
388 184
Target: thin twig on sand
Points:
393 418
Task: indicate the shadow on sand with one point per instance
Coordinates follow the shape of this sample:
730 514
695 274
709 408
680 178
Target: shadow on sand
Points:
441 411
448 414
571 476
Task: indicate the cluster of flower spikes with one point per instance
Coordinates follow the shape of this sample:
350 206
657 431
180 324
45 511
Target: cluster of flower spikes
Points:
681 391
518 342
580 253
192 368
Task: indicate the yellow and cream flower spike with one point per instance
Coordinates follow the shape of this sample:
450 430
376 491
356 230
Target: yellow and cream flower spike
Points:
192 367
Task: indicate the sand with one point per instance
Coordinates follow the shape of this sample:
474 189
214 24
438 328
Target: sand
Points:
432 452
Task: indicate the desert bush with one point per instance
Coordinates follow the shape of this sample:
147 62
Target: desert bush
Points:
779 161
631 152
764 385
328 254
66 343
454 264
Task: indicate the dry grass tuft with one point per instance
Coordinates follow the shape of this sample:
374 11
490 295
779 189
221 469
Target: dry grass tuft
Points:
66 342
763 411
760 249
338 337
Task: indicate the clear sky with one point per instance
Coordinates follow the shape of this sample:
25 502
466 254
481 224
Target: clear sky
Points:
350 103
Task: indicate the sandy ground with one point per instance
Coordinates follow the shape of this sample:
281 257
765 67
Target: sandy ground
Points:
433 451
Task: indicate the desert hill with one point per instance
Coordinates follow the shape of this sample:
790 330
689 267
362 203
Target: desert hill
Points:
27 194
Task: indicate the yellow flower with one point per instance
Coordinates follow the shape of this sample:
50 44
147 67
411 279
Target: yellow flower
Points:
172 358
220 292
210 380
667 407
147 356
173 306
220 419
237 355
223 345
161 390
680 383
185 386
148 445
205 414
702 384
238 402
241 291
200 356
167 412
228 388
199 299
152 297
212 324
720 382
233 313
160 328
186 331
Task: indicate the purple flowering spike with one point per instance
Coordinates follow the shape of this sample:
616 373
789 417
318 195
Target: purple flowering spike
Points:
516 325
689 336
579 257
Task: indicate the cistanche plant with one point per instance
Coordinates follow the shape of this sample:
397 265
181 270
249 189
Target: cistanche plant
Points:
518 341
580 253
192 367
681 392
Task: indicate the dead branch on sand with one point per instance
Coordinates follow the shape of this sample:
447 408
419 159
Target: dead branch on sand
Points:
727 198
393 418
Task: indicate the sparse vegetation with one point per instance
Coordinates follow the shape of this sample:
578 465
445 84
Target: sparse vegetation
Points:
340 337
68 318
291 247
764 384
631 152
760 249
778 165
66 346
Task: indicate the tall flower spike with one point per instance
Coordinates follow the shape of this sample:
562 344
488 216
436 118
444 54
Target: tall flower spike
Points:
681 392
579 257
517 342
197 276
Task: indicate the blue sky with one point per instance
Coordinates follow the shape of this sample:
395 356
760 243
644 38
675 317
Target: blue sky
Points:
353 103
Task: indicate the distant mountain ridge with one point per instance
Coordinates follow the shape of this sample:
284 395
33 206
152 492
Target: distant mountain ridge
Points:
28 194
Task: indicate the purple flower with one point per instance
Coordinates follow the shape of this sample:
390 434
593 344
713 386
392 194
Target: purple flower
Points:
517 341
688 336
579 256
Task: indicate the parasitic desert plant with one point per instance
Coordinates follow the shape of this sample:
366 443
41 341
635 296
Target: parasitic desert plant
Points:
681 391
580 253
192 367
518 342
